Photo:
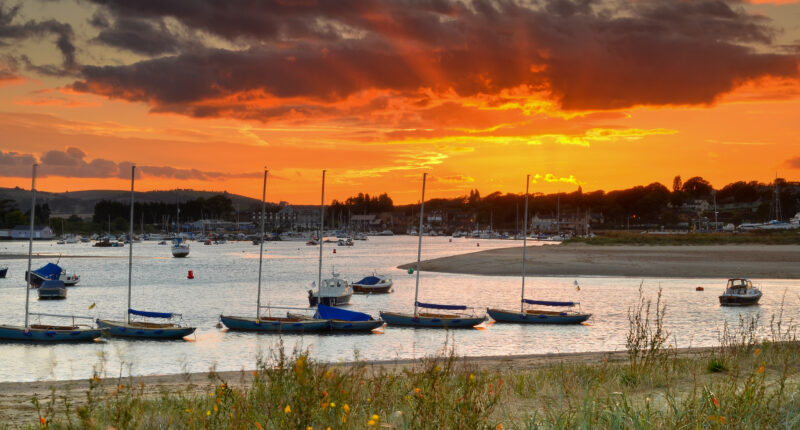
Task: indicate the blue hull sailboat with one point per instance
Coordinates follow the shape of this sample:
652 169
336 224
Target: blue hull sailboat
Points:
43 333
535 316
142 329
347 321
424 319
269 324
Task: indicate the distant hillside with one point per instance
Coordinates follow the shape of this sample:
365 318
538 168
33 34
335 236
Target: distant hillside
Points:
82 202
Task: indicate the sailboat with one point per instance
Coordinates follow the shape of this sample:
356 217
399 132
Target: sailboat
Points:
535 316
332 291
41 332
142 329
270 323
426 319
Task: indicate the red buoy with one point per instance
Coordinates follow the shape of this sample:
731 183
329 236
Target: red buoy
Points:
334 250
190 275
479 244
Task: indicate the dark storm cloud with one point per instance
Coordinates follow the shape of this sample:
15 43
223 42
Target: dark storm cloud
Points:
11 31
586 54
71 163
138 35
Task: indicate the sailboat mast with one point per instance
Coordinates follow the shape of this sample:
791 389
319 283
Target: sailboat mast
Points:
321 222
524 244
130 252
419 241
30 244
261 244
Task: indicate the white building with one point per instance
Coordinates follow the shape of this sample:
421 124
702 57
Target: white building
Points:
39 232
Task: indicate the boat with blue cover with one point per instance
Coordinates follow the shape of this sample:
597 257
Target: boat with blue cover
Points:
52 290
49 271
460 319
44 333
343 320
270 324
375 284
536 316
142 329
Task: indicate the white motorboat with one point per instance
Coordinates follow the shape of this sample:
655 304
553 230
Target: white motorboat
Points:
740 292
180 249
333 291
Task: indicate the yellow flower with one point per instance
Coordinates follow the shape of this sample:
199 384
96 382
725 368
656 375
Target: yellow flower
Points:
188 410
287 409
371 423
375 417
761 369
344 418
216 409
208 413
346 408
437 368
368 400
309 428
333 405
471 377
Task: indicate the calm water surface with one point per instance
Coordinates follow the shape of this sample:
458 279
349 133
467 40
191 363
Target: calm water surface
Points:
225 282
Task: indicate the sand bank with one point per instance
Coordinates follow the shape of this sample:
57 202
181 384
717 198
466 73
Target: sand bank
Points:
707 261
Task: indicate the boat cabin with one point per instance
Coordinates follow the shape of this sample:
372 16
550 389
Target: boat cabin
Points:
739 285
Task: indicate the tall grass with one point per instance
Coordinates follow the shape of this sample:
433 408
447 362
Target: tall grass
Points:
754 383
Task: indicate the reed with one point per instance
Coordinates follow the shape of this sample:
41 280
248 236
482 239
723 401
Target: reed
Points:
654 386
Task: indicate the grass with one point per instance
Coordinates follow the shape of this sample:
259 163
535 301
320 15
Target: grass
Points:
636 238
745 382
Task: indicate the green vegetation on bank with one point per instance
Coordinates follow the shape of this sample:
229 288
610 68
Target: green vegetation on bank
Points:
746 382
630 238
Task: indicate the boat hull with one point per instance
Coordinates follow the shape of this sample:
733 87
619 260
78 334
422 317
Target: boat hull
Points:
163 331
735 300
371 289
51 334
3 271
180 254
313 300
57 293
274 325
506 316
355 326
438 321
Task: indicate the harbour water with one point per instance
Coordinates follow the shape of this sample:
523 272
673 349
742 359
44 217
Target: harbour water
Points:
225 282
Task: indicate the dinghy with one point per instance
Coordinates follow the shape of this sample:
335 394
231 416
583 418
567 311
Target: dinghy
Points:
535 316
142 329
44 332
427 319
270 324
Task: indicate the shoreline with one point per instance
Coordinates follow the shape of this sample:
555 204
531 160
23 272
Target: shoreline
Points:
658 261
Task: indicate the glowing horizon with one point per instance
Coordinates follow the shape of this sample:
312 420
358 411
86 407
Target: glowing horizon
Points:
376 93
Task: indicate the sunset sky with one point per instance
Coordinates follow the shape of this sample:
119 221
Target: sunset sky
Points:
203 94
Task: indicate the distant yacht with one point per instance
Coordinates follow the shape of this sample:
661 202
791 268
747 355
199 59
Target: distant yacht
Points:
179 248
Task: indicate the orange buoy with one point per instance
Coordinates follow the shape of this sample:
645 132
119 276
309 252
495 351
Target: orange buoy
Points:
699 289
190 275
478 244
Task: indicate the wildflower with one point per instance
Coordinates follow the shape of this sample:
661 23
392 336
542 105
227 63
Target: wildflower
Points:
287 409
255 373
758 351
714 418
208 413
333 404
96 378
344 418
346 408
188 410
324 405
437 368
368 400
471 377
416 390
324 393
371 423
500 426
259 425
716 402
375 417
309 428
43 421
216 409
761 369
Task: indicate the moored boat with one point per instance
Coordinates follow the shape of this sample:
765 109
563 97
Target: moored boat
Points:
142 329
42 332
179 248
52 290
333 291
425 319
740 292
3 271
374 284
269 324
344 320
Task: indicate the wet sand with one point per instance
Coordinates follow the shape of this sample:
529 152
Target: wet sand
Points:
706 261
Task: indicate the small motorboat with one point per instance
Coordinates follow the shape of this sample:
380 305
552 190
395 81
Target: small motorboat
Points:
3 271
740 292
52 290
69 279
163 242
180 249
104 243
375 284
333 291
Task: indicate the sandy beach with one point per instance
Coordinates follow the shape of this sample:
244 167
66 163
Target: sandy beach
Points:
706 261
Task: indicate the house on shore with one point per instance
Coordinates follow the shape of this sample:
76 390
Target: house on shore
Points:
40 232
